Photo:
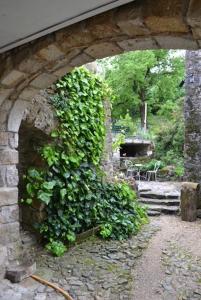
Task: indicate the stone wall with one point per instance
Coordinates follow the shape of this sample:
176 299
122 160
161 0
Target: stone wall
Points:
192 113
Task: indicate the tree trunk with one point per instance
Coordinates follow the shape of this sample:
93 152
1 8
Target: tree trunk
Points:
143 115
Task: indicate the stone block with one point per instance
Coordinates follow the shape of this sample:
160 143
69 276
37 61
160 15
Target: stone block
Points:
31 65
3 255
18 273
8 196
3 175
28 93
63 71
64 62
6 106
50 53
43 81
15 250
9 214
166 16
130 21
74 36
197 33
3 261
4 93
4 136
8 138
12 178
8 156
103 26
3 119
103 50
13 140
137 44
16 115
9 233
194 13
173 42
189 201
8 175
80 60
13 78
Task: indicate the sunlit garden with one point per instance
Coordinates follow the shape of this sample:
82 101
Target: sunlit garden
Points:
147 108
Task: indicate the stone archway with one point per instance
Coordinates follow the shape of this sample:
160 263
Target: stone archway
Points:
26 70
34 132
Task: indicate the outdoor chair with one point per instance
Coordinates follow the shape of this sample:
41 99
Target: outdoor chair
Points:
153 173
134 171
130 170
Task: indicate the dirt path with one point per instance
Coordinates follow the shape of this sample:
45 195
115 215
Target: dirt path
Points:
152 276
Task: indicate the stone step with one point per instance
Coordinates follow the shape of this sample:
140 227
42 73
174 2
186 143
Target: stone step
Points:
153 213
169 202
158 195
163 208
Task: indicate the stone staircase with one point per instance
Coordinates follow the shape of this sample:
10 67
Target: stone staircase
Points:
160 201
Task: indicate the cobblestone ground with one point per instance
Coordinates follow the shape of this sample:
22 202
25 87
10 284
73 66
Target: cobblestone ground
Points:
103 270
183 280
95 269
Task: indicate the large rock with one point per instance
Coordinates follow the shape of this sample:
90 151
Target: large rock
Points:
189 201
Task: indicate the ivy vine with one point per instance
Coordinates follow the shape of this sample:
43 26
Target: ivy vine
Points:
71 186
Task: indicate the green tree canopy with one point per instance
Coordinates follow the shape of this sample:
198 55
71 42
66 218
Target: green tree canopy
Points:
152 76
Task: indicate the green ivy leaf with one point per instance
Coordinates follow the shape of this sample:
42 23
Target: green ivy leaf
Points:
44 196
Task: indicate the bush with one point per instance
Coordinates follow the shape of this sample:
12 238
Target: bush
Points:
55 247
72 188
170 142
150 165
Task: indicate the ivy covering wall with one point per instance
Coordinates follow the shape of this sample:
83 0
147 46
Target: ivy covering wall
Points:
76 196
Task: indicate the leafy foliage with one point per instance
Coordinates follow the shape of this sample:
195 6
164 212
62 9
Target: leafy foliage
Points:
55 247
153 76
72 188
151 164
170 140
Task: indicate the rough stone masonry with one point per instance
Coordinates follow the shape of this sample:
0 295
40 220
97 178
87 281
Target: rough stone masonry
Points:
192 114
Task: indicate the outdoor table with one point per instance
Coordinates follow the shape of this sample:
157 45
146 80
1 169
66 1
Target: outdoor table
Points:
138 166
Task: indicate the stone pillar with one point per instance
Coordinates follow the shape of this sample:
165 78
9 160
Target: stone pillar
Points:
189 199
9 210
192 114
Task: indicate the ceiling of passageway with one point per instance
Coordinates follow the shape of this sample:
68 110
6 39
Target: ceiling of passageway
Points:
25 20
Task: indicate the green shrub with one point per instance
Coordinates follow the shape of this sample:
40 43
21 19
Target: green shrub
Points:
170 141
150 165
72 188
179 169
55 247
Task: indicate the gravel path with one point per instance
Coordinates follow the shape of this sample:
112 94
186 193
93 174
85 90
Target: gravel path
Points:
170 268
